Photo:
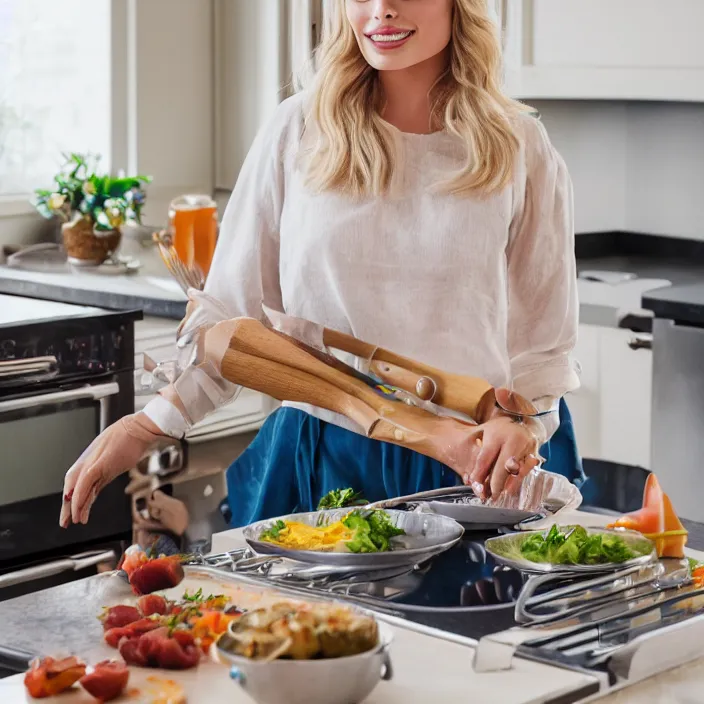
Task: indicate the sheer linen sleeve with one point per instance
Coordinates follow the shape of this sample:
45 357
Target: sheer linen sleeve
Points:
542 285
244 275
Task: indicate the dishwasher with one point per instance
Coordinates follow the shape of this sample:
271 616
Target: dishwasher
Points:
678 414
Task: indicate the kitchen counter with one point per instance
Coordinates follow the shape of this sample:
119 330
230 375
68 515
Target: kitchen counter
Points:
427 666
656 261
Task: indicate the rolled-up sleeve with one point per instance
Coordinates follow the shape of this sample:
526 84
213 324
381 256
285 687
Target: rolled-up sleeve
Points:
542 285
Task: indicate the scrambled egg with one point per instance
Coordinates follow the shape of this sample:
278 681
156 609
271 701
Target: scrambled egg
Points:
299 536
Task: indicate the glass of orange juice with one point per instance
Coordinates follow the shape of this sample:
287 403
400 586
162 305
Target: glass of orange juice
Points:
193 226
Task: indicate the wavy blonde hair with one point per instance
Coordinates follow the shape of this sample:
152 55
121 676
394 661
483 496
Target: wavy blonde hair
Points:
355 152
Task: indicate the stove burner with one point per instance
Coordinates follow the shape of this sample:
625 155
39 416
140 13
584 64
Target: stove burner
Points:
464 576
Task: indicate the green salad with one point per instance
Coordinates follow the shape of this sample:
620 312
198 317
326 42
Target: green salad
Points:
576 546
372 531
341 498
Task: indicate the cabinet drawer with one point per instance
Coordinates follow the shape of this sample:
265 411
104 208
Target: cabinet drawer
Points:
618 33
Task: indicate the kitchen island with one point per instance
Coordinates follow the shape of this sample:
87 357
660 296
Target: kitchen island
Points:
428 664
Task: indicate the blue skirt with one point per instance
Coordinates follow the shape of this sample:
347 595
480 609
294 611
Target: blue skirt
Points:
296 459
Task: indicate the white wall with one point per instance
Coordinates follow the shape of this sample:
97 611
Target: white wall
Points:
635 166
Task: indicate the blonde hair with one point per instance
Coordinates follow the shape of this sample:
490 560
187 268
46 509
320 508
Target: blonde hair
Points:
355 153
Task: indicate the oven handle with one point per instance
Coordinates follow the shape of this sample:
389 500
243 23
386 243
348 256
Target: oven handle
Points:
99 392
49 569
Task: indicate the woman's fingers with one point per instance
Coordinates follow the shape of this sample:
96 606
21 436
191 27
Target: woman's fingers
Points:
485 461
67 497
508 463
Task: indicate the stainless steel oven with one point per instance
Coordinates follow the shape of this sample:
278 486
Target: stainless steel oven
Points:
62 381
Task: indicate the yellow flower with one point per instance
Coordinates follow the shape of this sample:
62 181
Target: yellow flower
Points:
56 201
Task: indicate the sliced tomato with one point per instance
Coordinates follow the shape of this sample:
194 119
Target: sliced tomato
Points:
107 681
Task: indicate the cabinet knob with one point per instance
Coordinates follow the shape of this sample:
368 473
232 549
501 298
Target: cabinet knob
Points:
641 342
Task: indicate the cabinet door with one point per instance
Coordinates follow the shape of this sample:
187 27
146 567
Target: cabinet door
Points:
626 392
618 33
604 49
585 403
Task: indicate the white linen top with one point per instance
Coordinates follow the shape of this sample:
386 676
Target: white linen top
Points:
481 286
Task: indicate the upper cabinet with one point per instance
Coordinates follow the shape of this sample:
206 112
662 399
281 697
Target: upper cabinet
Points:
603 49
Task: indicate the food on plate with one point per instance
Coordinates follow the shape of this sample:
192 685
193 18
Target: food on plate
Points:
151 604
341 498
196 620
155 575
158 690
300 631
576 546
359 531
144 625
119 616
106 681
657 521
48 677
170 649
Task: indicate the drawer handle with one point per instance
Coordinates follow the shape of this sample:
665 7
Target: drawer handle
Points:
641 342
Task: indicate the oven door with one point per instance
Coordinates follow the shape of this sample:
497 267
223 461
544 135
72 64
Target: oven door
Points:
41 436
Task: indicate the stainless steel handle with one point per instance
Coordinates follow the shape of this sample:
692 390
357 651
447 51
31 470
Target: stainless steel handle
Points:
643 341
69 564
98 392
95 393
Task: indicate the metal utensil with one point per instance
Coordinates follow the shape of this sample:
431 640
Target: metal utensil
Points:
625 585
187 275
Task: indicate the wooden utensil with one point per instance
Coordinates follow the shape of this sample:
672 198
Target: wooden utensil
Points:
265 361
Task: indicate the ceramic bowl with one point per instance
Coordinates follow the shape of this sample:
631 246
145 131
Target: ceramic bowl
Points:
346 680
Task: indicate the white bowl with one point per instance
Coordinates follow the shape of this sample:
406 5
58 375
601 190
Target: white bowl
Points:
346 680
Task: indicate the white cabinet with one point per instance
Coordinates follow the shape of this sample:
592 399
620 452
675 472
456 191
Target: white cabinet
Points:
626 392
612 408
604 49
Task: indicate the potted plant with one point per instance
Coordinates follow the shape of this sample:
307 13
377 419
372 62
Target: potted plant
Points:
92 208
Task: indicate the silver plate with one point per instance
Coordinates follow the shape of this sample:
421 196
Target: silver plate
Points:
506 549
427 534
478 515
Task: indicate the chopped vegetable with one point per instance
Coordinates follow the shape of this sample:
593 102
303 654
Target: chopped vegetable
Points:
372 531
107 681
576 547
155 575
657 521
274 532
48 677
341 498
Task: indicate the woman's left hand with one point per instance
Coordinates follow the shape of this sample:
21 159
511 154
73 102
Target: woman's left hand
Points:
509 452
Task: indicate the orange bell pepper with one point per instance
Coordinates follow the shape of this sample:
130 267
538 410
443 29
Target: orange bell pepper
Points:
656 520
208 627
49 677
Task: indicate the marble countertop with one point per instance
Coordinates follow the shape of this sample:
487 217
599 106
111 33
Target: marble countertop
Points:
427 665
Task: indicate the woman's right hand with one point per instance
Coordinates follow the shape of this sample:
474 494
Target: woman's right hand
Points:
115 451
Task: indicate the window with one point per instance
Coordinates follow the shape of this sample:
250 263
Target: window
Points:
55 87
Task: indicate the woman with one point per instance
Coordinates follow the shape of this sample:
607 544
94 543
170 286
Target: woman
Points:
405 200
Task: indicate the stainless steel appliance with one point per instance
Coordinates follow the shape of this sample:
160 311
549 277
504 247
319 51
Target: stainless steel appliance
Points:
66 373
678 414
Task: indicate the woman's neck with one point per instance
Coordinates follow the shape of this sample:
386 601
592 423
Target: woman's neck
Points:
406 92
